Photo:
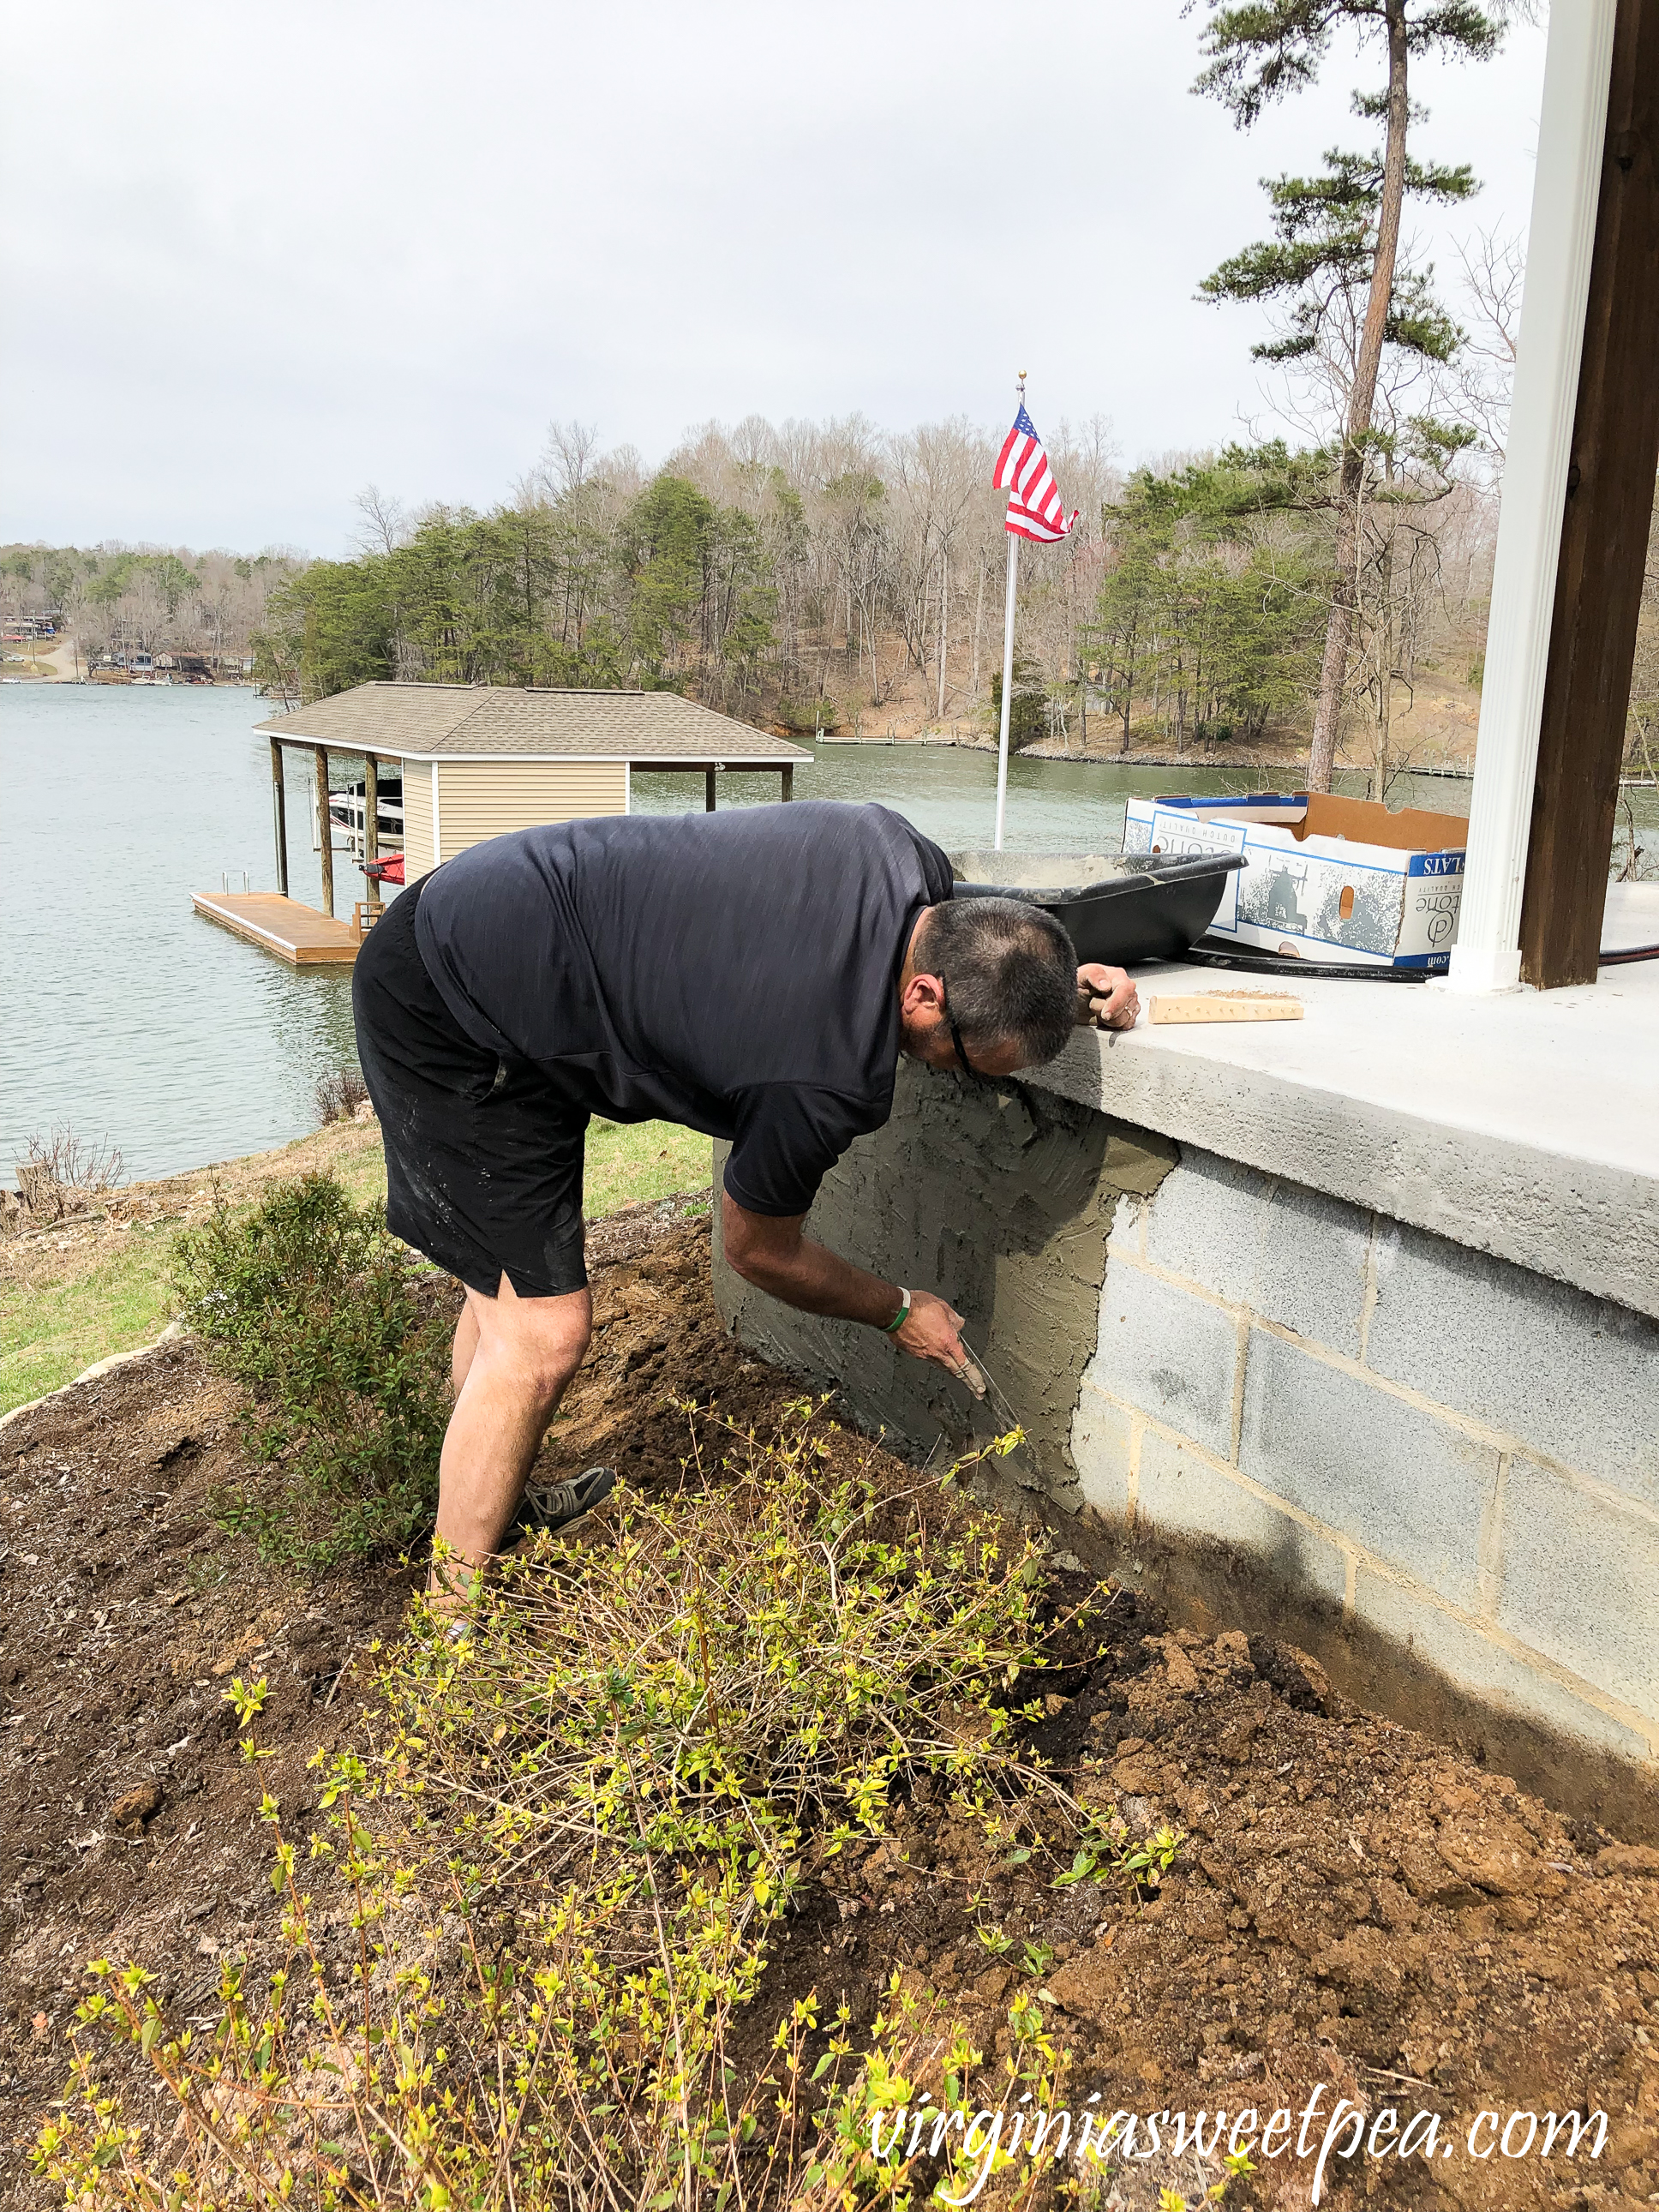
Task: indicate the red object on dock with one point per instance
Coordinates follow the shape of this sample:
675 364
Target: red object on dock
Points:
389 871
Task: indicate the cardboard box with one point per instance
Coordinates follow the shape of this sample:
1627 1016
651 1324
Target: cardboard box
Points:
1328 879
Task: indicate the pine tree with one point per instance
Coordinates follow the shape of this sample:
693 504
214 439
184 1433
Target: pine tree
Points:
1340 233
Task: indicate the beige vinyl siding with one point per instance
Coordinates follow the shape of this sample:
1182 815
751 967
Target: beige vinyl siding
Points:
417 818
486 798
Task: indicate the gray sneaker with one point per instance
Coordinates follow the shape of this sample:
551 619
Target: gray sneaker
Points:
552 1504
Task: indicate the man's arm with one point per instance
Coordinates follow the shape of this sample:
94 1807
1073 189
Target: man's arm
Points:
769 1251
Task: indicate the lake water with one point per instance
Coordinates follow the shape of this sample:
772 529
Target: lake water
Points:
131 1019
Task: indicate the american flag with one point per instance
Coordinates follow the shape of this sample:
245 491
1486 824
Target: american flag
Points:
1023 471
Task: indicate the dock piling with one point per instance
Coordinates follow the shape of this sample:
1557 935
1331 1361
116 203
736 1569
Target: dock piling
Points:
279 802
372 822
324 830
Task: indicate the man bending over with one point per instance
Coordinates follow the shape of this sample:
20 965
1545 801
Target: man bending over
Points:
754 974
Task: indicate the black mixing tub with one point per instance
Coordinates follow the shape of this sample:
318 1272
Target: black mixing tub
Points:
1151 907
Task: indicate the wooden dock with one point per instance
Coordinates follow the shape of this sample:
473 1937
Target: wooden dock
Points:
298 933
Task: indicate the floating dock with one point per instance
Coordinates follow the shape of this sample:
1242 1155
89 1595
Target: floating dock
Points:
302 936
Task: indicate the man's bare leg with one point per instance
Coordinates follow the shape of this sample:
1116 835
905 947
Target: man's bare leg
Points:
466 1344
511 1363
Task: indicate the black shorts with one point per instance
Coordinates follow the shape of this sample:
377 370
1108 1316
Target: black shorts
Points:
483 1159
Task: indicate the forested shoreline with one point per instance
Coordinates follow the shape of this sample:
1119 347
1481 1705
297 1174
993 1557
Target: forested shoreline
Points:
812 575
824 577
833 577
115 599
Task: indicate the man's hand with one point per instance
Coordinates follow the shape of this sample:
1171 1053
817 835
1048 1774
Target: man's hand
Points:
933 1331
1106 997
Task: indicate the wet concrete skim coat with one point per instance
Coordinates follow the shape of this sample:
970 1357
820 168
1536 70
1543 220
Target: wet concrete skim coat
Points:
1000 1196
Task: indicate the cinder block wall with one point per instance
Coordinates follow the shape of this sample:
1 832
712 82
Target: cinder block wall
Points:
1435 1469
1438 1452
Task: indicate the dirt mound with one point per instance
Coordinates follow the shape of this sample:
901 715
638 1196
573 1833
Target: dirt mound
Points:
1354 1905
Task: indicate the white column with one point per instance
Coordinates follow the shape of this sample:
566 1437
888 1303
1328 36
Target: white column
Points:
1566 189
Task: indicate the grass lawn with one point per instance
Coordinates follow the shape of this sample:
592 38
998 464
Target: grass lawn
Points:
50 1331
93 1287
628 1164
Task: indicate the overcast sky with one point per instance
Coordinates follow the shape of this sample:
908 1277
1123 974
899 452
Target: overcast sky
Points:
259 255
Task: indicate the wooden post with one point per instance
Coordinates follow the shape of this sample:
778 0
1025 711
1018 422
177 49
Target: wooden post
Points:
709 791
786 781
279 802
1604 535
372 822
324 830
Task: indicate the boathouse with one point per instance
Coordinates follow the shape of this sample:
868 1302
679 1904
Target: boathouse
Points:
479 760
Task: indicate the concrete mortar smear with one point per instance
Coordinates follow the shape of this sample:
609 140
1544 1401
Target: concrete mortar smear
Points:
999 1198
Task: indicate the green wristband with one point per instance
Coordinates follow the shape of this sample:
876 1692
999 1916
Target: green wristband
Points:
893 1327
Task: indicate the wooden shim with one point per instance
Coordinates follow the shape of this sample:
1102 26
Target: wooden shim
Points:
1225 1006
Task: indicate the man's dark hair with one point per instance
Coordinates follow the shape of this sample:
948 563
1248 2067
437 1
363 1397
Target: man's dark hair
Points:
1010 973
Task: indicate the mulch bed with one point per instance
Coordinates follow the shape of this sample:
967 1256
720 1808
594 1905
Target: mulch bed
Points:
1355 1904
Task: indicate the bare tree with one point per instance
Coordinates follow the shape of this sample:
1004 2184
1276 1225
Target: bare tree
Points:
1494 273
386 523
939 472
567 456
1643 747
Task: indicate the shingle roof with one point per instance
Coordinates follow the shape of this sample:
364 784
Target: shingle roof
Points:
479 721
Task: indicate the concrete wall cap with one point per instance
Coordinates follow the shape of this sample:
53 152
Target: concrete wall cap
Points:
1519 1125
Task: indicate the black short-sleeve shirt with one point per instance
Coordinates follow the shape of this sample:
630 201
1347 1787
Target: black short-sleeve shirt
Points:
734 972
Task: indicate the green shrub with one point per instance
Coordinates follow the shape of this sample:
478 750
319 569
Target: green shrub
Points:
803 717
1028 718
571 1858
310 1304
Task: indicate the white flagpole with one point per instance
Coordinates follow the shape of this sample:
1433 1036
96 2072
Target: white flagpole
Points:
1007 683
1007 665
